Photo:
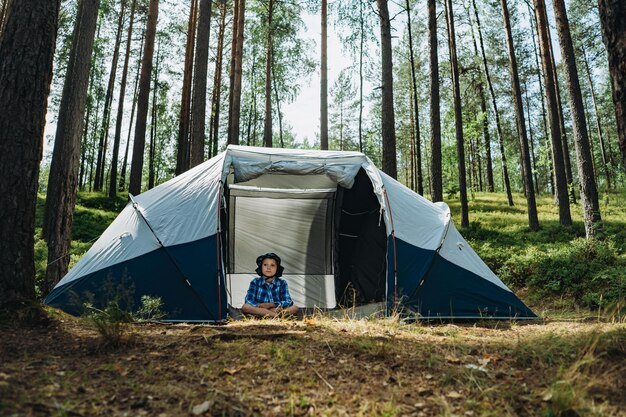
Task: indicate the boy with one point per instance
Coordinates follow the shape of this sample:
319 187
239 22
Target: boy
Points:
268 295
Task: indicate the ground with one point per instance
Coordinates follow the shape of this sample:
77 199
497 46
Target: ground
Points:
317 366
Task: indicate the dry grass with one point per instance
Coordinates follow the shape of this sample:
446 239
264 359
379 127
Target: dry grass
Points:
319 366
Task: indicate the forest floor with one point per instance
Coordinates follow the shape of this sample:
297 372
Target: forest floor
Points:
314 367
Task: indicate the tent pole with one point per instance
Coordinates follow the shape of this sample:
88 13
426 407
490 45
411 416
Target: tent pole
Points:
395 263
217 237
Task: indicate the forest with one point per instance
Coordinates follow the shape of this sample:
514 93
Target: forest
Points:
452 99
513 112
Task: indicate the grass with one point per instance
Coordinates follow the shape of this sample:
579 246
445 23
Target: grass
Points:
555 268
318 367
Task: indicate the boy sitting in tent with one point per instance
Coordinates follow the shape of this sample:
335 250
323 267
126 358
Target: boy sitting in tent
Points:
268 294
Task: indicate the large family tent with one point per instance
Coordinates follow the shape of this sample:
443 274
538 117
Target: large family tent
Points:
347 233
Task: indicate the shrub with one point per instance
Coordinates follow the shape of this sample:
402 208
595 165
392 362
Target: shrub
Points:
587 270
151 309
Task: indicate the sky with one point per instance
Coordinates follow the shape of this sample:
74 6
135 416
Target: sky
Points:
303 114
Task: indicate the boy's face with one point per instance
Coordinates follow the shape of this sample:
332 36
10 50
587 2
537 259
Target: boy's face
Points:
269 267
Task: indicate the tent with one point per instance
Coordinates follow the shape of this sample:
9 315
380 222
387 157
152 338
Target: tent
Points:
348 234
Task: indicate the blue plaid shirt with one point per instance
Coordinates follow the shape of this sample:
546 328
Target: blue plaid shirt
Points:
276 292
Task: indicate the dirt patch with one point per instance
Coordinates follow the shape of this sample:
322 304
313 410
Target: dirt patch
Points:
315 367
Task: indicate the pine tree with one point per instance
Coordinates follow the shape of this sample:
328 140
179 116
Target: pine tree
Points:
27 47
63 178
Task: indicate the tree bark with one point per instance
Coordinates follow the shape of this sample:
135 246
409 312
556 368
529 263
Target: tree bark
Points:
234 108
484 121
182 153
267 127
3 15
26 54
417 146
544 116
108 102
613 24
589 192
324 79
63 179
565 217
531 141
278 113
436 182
143 99
120 106
361 52
533 220
122 184
154 121
605 160
217 82
389 164
198 118
505 169
458 115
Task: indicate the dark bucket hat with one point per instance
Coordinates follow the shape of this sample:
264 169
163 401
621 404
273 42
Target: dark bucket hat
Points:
270 255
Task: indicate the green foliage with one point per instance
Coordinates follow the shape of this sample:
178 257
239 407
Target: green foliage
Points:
151 309
578 269
555 262
111 322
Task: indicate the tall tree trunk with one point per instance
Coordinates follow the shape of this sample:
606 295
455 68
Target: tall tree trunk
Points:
182 152
605 160
560 180
278 113
589 192
153 122
217 80
122 184
198 117
533 220
143 99
505 169
563 132
544 115
234 108
84 148
120 106
531 141
436 182
324 78
388 118
612 18
26 53
108 101
361 52
63 179
93 140
416 117
4 9
458 114
484 118
412 177
267 127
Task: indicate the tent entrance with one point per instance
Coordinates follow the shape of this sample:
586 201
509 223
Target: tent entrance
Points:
361 249
331 240
274 214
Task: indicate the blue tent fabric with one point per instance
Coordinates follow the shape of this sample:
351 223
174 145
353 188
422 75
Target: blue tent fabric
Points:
162 273
432 287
